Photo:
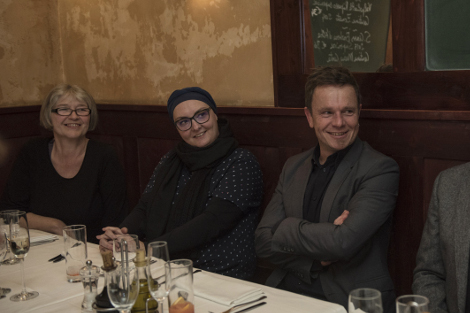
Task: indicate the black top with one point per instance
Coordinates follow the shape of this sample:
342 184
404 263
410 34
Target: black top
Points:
318 182
223 238
95 197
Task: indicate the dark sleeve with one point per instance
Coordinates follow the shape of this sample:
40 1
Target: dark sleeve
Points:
370 207
16 195
135 221
219 217
113 189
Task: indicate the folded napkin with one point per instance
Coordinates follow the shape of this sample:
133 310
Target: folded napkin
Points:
39 240
224 291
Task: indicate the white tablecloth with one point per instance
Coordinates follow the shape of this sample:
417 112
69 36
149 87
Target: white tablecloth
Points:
58 295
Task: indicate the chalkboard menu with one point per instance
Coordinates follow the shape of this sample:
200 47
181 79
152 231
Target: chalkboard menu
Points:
447 34
350 33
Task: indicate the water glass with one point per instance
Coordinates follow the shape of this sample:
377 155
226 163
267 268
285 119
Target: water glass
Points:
132 246
366 300
75 249
179 274
412 304
5 229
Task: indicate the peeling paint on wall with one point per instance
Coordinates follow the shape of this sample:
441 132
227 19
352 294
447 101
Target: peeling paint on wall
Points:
139 51
30 62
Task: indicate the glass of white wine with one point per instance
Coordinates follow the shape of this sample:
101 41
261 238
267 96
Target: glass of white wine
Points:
5 229
19 244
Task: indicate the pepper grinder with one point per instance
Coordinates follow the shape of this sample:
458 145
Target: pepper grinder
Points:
102 303
89 275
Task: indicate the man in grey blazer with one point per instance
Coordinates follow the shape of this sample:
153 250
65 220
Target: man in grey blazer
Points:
442 263
327 226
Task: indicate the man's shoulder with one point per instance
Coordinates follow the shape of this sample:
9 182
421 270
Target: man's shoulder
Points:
456 174
369 156
300 158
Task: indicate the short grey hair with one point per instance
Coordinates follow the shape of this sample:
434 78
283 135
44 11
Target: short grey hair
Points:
63 89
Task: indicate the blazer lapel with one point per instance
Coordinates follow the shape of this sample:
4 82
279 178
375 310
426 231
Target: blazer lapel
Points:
340 175
462 243
297 191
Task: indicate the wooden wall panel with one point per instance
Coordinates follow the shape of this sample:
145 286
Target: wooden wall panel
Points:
407 223
408 35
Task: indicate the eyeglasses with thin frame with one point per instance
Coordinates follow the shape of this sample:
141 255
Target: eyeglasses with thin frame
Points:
68 111
200 117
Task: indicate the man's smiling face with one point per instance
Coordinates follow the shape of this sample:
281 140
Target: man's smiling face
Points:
334 117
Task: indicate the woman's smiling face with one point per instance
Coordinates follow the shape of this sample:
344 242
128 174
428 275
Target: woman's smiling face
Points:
72 126
199 135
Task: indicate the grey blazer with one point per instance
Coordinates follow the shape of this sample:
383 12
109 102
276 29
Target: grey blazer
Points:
442 261
366 184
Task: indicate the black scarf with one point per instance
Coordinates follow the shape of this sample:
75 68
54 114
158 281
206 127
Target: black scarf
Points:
162 216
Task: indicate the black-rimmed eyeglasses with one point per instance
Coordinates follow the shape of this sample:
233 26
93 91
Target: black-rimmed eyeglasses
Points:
200 117
67 111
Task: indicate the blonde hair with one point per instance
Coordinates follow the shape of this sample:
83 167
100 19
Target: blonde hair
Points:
63 89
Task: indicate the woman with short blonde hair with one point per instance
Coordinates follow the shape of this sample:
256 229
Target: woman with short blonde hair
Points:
67 178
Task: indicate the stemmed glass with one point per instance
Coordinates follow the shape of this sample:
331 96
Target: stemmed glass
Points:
3 251
366 300
157 257
19 244
123 282
5 229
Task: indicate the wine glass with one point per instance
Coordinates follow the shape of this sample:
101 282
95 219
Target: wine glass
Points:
123 282
3 252
412 304
366 300
5 229
157 257
19 244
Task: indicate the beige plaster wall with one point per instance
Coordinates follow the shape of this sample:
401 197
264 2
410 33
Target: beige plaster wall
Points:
139 51
30 59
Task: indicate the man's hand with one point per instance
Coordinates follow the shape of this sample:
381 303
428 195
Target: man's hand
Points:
338 221
110 233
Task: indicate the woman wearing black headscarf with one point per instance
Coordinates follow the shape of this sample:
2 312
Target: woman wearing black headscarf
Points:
204 196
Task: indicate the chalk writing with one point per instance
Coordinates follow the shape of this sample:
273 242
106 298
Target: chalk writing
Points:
343 30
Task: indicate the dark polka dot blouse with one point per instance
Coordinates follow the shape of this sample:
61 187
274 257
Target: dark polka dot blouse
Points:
237 179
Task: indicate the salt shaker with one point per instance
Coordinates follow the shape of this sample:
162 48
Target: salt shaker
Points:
89 275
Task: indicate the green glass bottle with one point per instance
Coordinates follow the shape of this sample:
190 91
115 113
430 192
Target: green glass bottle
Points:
144 294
